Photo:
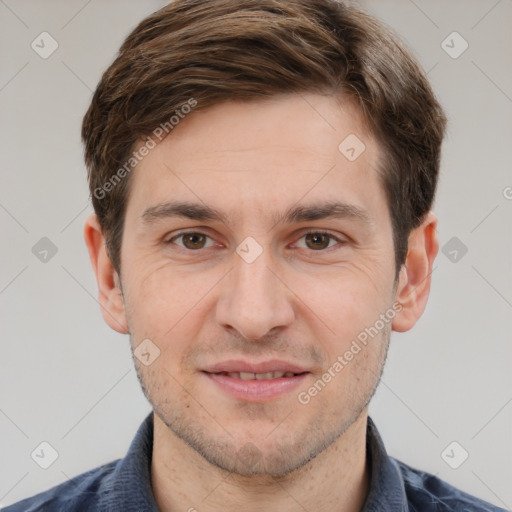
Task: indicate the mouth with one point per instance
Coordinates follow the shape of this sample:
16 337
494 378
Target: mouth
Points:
258 376
259 382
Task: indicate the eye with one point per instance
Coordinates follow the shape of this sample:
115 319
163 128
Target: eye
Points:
319 240
314 240
192 240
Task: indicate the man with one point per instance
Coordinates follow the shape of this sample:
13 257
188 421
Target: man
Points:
262 174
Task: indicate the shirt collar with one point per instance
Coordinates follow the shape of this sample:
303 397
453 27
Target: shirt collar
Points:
130 486
386 489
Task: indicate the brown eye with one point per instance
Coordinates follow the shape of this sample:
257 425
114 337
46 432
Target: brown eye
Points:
194 240
317 241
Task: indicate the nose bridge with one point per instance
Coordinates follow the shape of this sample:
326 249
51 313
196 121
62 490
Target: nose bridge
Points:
253 280
254 300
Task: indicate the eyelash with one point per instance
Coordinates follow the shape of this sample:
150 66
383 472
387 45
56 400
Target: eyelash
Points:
315 232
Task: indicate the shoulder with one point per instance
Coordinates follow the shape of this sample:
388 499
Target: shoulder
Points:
80 493
424 488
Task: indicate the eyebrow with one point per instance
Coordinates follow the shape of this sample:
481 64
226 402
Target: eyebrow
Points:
295 214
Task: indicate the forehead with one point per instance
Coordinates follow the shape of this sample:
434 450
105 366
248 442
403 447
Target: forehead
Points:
258 155
297 126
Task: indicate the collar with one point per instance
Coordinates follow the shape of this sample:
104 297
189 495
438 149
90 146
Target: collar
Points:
386 489
130 486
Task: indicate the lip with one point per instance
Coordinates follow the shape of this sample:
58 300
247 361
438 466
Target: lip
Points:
273 365
255 390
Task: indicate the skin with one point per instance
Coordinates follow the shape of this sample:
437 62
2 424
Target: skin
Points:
302 300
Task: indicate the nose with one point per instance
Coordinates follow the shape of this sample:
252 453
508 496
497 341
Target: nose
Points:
254 298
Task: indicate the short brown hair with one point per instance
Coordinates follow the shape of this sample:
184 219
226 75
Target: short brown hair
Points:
217 50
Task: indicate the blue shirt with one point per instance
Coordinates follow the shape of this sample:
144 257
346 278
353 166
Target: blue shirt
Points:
125 485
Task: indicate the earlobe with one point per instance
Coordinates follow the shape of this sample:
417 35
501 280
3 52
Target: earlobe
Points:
415 275
109 290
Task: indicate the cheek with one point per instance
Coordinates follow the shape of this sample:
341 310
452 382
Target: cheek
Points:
170 306
158 283
159 299
347 302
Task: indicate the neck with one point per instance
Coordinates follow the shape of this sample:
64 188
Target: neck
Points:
337 479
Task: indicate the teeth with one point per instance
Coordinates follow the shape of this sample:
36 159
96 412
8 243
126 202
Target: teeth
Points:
259 376
263 376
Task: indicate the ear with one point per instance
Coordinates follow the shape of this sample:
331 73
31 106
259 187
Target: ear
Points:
415 275
110 295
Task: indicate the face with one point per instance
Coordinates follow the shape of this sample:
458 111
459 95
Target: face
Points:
254 256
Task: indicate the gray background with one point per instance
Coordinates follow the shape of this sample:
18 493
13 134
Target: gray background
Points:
67 379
